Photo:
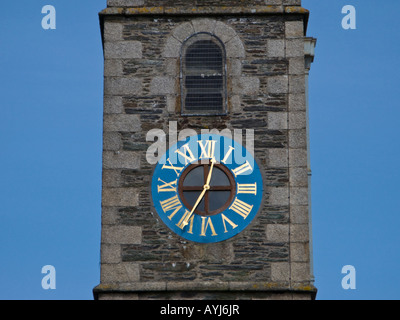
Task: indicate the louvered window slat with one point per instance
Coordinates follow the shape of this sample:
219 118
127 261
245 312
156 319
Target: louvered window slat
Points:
203 76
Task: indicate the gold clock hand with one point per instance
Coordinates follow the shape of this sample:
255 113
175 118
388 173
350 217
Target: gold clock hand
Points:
205 188
210 173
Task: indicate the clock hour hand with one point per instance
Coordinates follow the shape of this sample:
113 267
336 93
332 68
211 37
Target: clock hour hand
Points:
210 173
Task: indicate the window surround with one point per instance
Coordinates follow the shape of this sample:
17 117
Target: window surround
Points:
234 50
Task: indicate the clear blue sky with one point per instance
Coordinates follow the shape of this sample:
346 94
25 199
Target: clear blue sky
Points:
51 139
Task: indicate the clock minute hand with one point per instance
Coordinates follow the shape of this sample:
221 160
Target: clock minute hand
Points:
205 188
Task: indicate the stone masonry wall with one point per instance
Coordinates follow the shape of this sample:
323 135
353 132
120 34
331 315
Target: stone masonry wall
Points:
176 3
266 92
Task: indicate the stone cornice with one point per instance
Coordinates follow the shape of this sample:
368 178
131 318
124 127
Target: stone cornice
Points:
207 10
205 286
203 11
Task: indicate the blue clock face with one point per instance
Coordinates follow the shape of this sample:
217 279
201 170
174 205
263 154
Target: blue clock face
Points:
207 188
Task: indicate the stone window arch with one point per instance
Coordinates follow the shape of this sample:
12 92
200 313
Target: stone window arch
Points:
223 36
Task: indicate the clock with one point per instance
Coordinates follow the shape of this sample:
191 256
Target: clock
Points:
207 188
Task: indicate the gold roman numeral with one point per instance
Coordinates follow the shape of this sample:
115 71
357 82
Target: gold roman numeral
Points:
241 208
227 155
242 169
207 150
187 154
247 188
224 220
172 167
167 186
205 225
172 204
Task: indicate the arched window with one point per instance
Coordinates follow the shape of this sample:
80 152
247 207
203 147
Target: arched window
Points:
203 76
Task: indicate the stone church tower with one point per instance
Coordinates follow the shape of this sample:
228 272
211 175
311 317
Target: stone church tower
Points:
217 65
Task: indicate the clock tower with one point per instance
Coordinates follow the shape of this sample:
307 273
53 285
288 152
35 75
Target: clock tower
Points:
206 176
